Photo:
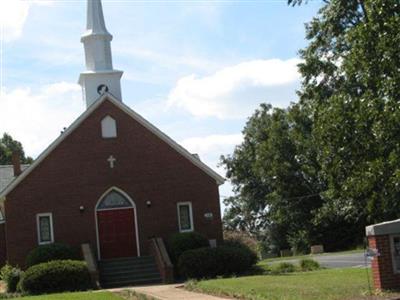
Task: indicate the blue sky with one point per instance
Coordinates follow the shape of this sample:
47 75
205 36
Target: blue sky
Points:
195 69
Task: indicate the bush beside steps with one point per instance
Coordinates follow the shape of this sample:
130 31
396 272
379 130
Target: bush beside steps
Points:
181 242
212 262
56 276
46 253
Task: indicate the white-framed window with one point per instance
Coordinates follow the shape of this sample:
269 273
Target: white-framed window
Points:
45 231
2 220
185 216
395 249
108 128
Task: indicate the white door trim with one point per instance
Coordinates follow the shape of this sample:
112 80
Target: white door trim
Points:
135 217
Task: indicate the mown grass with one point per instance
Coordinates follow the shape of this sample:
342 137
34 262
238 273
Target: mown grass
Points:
75 296
329 284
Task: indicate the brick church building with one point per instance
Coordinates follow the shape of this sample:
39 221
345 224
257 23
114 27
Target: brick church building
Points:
111 180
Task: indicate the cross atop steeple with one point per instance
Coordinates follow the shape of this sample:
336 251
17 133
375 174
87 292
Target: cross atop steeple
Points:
100 76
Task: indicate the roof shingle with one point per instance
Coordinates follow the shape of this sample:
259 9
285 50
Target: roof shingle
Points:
7 175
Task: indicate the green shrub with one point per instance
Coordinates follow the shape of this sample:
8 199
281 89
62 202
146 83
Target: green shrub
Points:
243 238
198 263
46 253
212 262
252 256
56 276
19 285
308 264
11 276
181 242
283 267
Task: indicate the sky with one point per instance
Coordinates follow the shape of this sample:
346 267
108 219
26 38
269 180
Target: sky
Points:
197 69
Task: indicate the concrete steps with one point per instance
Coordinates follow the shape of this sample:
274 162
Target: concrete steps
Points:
128 271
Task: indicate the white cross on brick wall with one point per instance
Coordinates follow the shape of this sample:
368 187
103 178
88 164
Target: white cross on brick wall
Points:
112 161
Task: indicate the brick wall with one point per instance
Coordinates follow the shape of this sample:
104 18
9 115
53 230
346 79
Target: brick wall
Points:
3 249
77 173
381 266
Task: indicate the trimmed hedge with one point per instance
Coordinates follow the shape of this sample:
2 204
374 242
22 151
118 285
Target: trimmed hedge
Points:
252 255
46 253
56 276
243 238
212 262
181 242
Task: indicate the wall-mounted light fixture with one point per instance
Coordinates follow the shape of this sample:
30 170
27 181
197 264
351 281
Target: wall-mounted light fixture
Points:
81 208
148 203
209 216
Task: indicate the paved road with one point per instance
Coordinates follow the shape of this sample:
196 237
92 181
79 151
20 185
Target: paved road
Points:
339 260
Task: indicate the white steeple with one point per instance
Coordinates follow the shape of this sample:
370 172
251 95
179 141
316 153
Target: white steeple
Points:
99 76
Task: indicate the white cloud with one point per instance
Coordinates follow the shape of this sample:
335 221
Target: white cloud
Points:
164 59
13 14
35 118
235 91
212 144
211 147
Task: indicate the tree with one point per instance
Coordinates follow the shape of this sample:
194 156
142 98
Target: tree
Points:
275 179
351 87
330 164
7 146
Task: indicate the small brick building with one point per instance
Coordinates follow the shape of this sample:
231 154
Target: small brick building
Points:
384 241
112 180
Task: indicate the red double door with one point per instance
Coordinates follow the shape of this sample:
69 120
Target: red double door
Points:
117 233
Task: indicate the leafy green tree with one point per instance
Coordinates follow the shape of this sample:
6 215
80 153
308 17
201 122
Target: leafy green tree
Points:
7 146
351 88
276 187
330 164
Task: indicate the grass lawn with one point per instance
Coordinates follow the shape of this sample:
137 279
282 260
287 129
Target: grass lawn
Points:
269 260
329 284
75 296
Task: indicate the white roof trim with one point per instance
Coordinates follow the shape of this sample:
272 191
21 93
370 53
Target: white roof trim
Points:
385 228
219 179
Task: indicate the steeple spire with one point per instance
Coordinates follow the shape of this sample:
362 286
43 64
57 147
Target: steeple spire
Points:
95 18
100 76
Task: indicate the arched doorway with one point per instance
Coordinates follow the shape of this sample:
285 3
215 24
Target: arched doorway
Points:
116 225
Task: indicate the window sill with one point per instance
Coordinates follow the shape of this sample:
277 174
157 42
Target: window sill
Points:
46 243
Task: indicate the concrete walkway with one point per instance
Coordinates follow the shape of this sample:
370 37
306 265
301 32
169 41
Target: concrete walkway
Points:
169 292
